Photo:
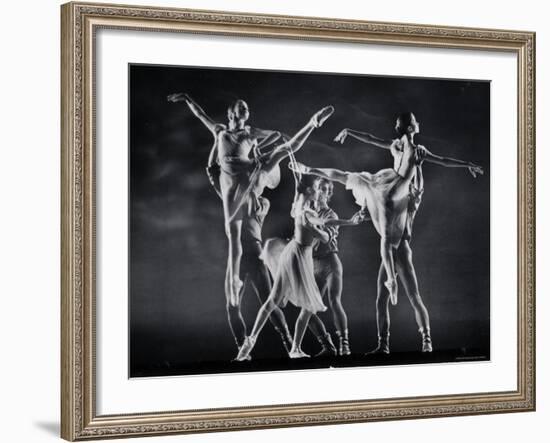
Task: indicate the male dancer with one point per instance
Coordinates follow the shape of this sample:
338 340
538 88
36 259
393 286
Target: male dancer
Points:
267 174
249 204
233 144
329 272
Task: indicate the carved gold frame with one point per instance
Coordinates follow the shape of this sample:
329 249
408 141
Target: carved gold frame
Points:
79 420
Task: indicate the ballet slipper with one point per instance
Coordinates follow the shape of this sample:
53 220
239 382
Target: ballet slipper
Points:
327 346
246 348
297 353
343 343
392 287
299 168
427 344
383 347
321 116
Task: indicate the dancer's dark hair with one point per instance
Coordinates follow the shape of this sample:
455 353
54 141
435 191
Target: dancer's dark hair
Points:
404 120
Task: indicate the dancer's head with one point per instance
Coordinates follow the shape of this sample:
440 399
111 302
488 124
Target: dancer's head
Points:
305 187
238 111
406 123
323 190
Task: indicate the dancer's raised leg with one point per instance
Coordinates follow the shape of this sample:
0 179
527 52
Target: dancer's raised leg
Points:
273 158
335 175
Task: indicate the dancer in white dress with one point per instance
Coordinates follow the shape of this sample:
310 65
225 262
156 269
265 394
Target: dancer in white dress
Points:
327 269
294 280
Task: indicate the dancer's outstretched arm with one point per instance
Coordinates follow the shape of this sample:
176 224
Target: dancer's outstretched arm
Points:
357 218
212 126
318 232
449 162
335 175
364 137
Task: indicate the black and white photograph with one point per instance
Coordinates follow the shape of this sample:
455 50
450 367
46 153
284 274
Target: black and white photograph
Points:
306 220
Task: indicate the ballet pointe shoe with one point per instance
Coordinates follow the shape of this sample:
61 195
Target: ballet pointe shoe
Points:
392 288
297 353
321 116
246 348
236 286
427 344
426 341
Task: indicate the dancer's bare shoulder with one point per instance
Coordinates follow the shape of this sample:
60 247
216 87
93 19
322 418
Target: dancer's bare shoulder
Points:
219 127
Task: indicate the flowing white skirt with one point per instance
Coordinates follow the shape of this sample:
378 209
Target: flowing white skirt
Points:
386 196
291 265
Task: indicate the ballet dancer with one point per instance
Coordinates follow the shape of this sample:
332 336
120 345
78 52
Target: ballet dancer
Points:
392 197
328 270
233 144
266 174
294 280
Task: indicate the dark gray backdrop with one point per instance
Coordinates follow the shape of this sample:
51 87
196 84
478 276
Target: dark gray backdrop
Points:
178 248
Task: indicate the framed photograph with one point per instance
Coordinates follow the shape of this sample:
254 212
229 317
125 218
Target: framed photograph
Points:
281 221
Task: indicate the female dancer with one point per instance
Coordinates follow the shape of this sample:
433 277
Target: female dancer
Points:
386 194
327 268
387 207
294 280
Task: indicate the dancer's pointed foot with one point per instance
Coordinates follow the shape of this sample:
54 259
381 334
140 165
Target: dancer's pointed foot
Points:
298 167
246 348
392 287
247 358
297 353
236 286
321 116
427 344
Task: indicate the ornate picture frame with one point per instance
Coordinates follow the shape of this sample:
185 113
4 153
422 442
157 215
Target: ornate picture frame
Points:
79 417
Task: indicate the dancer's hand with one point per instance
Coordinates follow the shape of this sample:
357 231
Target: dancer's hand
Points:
300 168
341 137
475 169
359 217
178 97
